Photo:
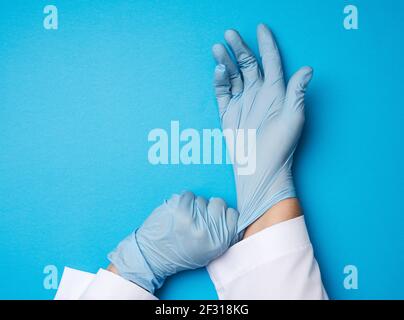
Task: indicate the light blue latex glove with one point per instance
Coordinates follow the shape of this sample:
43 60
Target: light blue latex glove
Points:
185 232
251 99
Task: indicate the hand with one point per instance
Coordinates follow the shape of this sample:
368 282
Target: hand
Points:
185 232
251 99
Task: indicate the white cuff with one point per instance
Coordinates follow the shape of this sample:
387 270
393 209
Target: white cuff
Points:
276 263
73 284
104 285
258 249
109 286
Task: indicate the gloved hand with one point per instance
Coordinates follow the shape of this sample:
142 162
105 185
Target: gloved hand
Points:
185 232
261 101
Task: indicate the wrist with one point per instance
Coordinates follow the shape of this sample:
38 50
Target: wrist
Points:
284 210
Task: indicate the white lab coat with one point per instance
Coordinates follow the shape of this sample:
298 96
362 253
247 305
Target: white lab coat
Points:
276 263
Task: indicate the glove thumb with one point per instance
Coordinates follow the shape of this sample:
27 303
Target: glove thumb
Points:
297 88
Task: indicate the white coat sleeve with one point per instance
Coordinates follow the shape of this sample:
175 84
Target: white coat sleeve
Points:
276 263
104 285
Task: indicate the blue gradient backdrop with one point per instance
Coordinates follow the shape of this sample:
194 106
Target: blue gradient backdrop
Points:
76 106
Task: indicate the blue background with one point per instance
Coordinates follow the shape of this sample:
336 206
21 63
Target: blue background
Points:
77 104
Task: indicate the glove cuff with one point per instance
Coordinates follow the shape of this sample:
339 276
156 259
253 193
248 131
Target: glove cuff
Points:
265 196
131 264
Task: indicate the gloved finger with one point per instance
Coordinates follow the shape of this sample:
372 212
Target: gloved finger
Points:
297 88
222 56
217 209
181 201
200 207
245 58
271 60
231 220
181 205
222 88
